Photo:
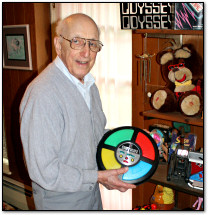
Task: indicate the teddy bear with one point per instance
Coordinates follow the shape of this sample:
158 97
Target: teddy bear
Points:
181 68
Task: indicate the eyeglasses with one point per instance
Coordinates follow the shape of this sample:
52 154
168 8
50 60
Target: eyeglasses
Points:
78 43
180 65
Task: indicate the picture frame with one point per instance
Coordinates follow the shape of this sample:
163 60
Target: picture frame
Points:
17 47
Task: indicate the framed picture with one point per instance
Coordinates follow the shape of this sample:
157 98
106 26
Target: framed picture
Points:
16 47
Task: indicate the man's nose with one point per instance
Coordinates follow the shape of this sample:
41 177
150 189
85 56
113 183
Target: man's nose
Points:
86 50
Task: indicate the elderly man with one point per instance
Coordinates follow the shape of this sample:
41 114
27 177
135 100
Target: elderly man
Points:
62 122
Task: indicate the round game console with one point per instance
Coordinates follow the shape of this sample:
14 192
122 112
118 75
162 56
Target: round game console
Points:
131 147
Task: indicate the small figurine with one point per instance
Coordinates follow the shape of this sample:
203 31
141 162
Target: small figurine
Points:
163 197
198 202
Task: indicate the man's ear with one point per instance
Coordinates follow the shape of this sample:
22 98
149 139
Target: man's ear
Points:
57 45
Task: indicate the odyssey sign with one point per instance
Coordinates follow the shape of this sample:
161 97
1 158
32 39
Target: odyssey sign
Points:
146 15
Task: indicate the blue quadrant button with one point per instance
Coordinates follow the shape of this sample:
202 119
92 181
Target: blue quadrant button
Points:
137 171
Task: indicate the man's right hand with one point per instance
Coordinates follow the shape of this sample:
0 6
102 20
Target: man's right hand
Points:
109 179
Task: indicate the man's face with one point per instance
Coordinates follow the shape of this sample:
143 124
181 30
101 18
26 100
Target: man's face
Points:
79 62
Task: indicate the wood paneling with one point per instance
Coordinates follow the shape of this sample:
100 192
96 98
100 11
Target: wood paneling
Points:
43 46
16 81
142 194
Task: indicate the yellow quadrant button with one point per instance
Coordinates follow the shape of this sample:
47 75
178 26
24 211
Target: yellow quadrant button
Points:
109 160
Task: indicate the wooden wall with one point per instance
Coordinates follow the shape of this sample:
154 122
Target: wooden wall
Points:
37 15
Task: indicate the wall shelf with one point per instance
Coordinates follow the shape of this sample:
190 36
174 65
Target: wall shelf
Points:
175 117
160 177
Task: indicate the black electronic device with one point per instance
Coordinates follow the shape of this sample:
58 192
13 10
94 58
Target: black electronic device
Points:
131 147
180 167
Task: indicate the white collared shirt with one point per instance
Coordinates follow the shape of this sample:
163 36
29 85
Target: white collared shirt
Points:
84 89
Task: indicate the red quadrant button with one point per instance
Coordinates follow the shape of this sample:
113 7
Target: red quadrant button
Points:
146 146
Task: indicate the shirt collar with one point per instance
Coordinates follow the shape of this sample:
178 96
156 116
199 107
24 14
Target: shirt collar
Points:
88 79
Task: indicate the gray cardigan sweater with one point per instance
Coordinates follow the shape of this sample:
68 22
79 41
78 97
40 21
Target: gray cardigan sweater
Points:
59 134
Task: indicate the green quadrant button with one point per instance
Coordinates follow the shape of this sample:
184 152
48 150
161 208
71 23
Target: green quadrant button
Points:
119 136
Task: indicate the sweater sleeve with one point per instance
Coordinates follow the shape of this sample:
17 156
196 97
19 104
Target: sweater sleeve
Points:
41 129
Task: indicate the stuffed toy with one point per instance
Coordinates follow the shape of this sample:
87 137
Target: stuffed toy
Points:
181 69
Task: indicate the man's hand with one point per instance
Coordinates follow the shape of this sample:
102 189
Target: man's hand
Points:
109 179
